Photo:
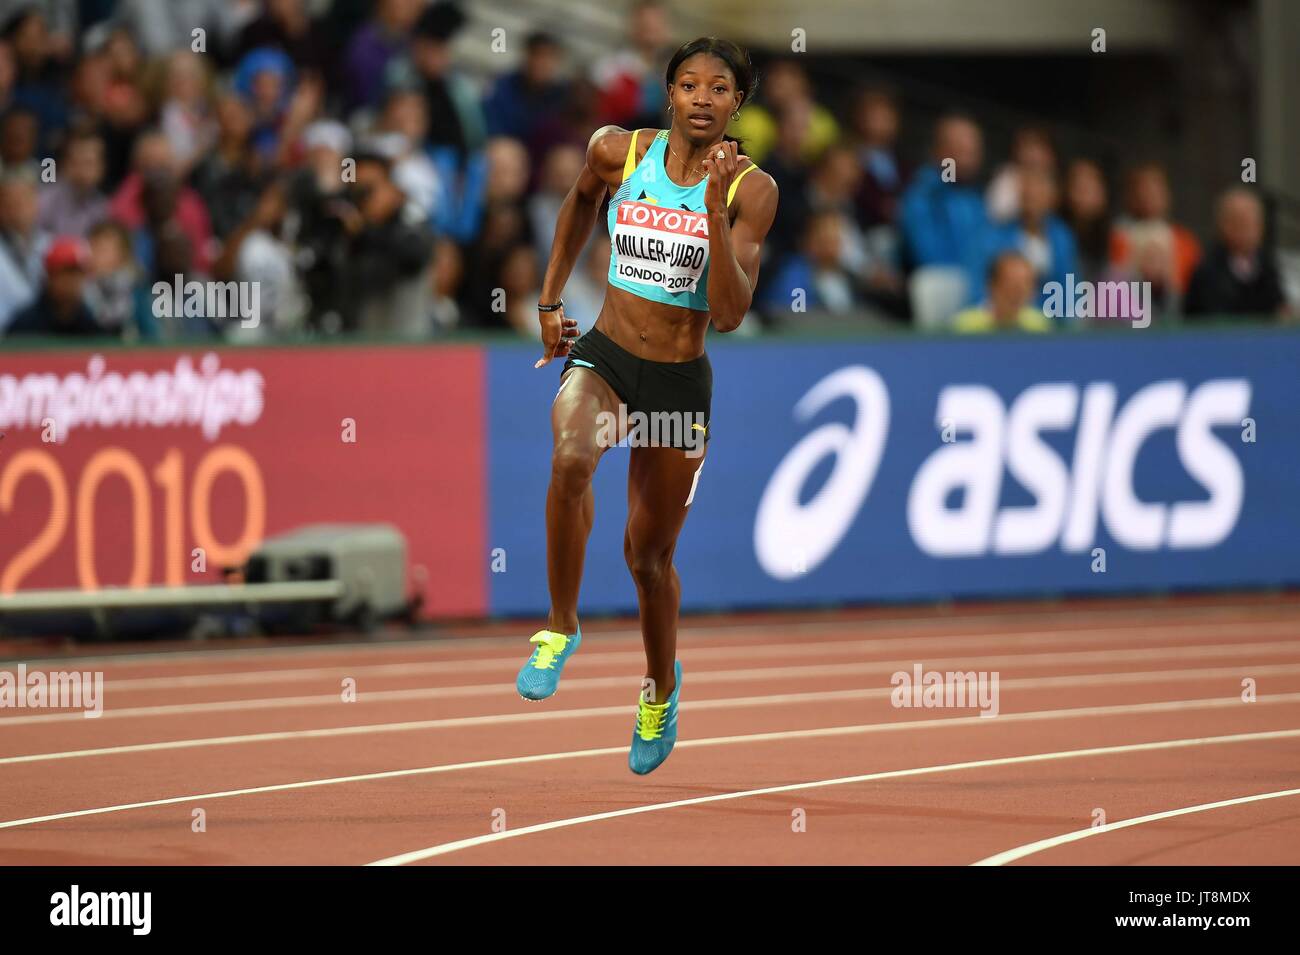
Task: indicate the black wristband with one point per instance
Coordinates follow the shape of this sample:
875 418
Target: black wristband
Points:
551 308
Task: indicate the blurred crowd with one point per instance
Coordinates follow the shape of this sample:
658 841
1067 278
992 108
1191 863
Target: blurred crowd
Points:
334 153
946 244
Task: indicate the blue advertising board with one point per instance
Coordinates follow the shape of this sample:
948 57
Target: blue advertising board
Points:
929 469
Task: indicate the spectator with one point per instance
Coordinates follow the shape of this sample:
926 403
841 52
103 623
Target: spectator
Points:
815 279
507 172
787 167
585 292
1238 277
24 28
1037 234
560 171
22 243
265 79
456 120
107 90
1031 149
1087 213
126 61
38 74
784 86
19 136
631 80
315 193
306 105
61 307
835 185
74 203
8 75
1008 305
173 256
521 281
383 38
875 127
883 285
1149 203
154 162
504 227
185 116
286 25
60 21
522 99
1152 260
264 258
227 179
365 248
570 126
115 292
327 143
159 199
446 275
942 218
405 126
386 258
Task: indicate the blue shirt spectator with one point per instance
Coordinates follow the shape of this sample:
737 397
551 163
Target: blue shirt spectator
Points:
942 218
520 100
941 222
1038 234
813 279
1052 252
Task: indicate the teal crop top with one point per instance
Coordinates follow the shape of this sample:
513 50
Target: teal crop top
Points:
659 231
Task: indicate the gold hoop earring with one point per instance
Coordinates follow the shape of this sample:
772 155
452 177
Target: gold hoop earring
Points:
735 116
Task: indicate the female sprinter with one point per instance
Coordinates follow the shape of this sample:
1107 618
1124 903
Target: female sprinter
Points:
687 223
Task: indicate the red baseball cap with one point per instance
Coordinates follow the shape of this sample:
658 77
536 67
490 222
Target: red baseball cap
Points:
67 252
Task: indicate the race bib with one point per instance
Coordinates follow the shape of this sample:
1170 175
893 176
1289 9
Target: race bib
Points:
657 246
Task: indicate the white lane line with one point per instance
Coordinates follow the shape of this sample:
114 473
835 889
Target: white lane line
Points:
1244 613
586 712
788 673
817 696
1020 852
446 848
1129 709
596 656
1188 652
311 783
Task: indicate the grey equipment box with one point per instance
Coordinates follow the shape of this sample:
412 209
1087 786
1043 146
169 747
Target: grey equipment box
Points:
369 560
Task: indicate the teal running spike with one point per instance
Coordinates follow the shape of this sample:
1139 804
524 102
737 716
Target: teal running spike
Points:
656 730
540 676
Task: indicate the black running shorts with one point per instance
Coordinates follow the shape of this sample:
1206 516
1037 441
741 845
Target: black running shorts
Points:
672 398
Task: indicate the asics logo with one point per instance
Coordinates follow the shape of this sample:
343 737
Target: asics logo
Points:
954 505
790 537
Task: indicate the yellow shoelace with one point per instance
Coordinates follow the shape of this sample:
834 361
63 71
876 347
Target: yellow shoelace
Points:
650 719
549 646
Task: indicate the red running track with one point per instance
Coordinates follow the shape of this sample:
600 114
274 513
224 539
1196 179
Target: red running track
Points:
1121 737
